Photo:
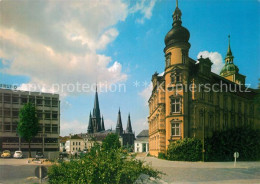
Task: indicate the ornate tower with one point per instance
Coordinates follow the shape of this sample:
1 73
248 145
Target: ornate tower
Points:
129 126
96 119
177 69
119 126
230 71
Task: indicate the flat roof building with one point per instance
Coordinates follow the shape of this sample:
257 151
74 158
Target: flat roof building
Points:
48 112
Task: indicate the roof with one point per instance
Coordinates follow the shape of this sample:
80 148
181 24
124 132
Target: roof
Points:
63 139
142 139
143 133
75 137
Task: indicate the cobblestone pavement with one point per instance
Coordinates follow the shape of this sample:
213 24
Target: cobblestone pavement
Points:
208 172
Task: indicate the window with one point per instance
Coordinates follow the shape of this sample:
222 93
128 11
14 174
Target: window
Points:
54 102
211 121
54 128
47 128
201 118
39 101
73 143
7 113
202 94
47 115
225 101
15 99
210 96
239 107
32 99
40 128
178 77
0 97
54 115
23 99
14 126
175 78
175 105
47 101
7 98
168 60
7 127
76 143
175 129
39 114
1 114
1 126
79 143
225 124
15 113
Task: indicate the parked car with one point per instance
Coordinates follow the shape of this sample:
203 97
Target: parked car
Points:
39 155
6 154
18 154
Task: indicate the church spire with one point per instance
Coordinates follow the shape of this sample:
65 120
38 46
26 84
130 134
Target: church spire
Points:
90 126
119 126
129 126
229 57
96 110
102 124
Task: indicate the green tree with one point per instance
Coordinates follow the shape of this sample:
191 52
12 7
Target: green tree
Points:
28 125
111 142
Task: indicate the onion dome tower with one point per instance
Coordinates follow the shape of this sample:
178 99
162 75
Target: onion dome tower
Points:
178 34
230 71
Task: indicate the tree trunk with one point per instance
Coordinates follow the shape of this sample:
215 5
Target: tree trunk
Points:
30 149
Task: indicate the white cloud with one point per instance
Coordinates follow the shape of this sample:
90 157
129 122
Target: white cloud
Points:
139 125
72 127
56 42
215 58
144 7
146 93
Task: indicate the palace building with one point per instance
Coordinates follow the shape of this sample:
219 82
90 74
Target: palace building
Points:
189 100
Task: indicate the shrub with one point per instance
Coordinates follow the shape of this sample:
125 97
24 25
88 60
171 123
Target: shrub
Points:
111 142
187 149
222 145
161 155
100 166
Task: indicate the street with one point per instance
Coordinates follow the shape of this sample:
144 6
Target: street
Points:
208 172
19 171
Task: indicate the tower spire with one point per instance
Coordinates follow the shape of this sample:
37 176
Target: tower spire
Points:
177 3
102 124
119 126
96 114
90 126
129 126
229 57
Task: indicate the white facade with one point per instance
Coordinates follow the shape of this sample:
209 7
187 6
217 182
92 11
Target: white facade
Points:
75 145
141 146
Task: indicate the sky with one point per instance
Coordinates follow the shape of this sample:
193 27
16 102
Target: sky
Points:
69 47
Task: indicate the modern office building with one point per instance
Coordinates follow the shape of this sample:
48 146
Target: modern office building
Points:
181 105
48 112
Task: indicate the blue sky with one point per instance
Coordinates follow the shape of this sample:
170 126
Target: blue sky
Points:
121 43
